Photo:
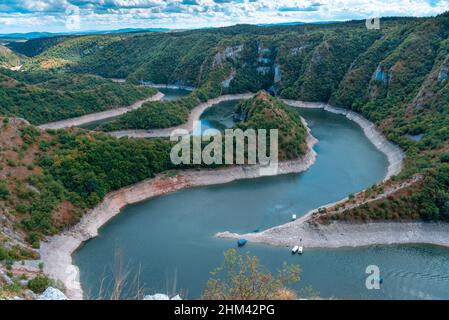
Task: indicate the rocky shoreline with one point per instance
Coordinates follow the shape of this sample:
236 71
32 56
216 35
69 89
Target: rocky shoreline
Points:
338 234
56 252
169 86
91 117
195 115
394 154
343 234
155 85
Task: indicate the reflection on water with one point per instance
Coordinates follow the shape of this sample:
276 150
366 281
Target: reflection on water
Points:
220 116
173 94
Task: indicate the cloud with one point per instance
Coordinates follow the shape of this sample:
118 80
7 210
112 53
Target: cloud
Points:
49 15
229 1
297 8
30 6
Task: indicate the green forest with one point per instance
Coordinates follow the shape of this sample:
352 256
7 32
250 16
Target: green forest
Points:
155 114
395 76
54 177
44 97
265 112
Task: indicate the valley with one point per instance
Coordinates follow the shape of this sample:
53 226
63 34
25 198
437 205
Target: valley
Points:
85 123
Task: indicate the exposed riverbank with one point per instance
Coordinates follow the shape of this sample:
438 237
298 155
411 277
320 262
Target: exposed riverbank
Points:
98 116
394 154
339 234
56 252
155 85
195 115
343 234
169 86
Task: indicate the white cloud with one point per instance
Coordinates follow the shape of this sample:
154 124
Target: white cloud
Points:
33 15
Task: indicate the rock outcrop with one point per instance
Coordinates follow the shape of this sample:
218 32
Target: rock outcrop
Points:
52 294
160 296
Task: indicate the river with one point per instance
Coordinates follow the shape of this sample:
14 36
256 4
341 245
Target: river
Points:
170 239
169 94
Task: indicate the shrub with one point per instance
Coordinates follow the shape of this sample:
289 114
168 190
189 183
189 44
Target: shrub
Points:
11 162
244 279
33 239
4 192
3 254
39 284
444 157
22 208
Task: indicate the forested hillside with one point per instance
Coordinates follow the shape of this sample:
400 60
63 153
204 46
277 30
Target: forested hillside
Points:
395 76
265 112
48 180
41 98
155 114
8 59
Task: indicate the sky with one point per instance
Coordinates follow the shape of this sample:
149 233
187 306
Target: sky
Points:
83 15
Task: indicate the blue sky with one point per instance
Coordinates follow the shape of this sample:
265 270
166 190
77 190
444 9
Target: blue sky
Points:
73 15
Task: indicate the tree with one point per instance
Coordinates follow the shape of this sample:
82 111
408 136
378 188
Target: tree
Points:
244 279
4 192
39 284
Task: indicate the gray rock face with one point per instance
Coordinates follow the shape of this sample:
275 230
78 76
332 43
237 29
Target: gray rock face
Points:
52 294
4 279
227 82
24 282
160 296
228 52
157 296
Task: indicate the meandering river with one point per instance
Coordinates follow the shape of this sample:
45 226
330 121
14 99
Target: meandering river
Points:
169 94
170 239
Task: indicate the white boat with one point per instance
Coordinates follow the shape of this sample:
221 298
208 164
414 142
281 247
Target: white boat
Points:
300 249
295 249
293 217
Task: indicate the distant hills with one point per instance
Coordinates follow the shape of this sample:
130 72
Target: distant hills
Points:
35 35
8 58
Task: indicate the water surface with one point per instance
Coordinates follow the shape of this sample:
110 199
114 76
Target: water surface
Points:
173 94
220 116
171 237
169 94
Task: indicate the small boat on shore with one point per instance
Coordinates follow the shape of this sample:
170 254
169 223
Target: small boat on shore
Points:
241 242
297 249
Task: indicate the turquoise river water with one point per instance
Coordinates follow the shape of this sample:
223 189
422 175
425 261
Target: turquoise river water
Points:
169 240
169 94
